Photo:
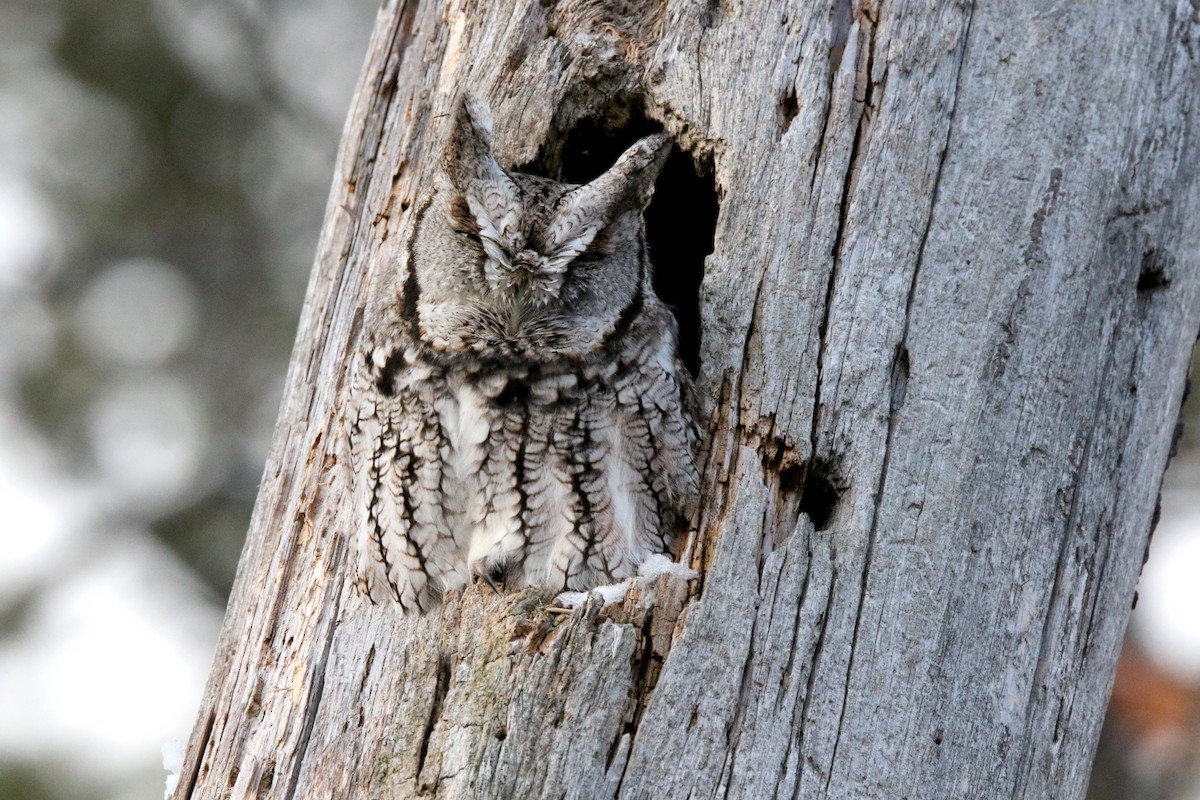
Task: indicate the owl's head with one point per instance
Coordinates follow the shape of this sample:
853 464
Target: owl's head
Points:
516 267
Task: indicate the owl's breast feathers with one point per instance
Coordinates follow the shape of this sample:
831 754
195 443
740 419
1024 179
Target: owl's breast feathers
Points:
564 474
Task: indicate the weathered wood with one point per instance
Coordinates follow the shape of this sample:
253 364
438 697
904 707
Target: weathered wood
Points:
956 275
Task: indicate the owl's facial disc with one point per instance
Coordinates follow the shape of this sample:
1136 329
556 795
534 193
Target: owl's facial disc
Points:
525 278
537 269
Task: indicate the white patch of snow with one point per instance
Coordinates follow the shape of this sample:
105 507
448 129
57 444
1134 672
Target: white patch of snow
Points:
610 593
648 572
659 564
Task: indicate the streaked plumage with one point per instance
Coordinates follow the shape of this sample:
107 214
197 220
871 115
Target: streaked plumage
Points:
528 410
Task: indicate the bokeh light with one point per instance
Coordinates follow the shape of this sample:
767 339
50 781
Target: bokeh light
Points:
1167 619
164 167
138 312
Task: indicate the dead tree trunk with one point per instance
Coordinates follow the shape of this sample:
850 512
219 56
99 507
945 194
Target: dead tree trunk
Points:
943 336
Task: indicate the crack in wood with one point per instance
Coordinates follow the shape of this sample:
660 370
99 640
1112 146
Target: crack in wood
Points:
440 689
316 690
901 347
814 667
861 132
1058 596
799 709
362 686
185 791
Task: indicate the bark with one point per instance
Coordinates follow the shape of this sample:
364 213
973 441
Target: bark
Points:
946 322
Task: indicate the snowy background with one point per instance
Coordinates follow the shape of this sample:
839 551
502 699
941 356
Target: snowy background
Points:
164 166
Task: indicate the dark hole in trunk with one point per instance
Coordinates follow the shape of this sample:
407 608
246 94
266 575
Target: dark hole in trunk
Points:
820 495
680 222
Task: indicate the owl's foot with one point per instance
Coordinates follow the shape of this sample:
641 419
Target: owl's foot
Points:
483 576
490 575
610 594
648 572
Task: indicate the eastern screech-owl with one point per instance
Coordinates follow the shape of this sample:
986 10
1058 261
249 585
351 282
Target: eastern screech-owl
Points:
527 411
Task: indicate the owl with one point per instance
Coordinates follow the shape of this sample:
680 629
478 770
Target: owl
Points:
525 413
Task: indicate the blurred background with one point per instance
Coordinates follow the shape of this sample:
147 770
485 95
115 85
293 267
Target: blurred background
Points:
164 166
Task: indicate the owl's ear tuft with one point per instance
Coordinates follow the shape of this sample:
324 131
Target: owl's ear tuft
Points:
468 157
632 177
484 189
626 186
629 183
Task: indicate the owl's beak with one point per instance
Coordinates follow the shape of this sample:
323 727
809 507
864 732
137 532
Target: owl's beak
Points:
528 261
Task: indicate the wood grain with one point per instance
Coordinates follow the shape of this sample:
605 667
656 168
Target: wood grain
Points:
956 275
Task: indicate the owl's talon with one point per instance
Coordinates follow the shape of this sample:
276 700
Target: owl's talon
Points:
483 576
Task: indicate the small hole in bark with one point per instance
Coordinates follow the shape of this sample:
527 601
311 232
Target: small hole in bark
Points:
901 368
267 779
789 107
681 219
501 734
820 495
791 477
1153 275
